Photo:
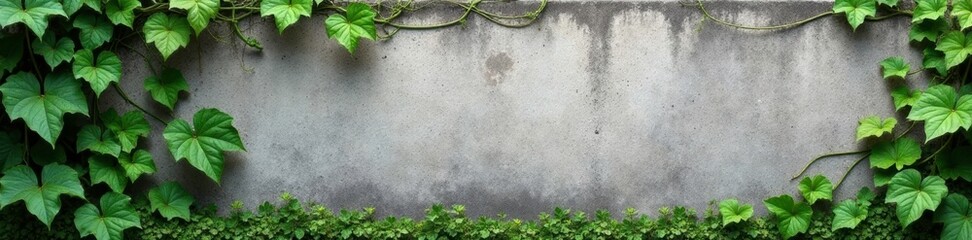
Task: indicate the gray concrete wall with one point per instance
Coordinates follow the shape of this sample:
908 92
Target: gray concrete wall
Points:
599 105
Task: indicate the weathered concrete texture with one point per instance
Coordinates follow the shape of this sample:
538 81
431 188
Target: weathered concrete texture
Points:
599 105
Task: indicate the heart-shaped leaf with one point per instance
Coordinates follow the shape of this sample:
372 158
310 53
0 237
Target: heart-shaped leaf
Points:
913 195
883 176
169 33
199 12
121 11
794 217
95 30
733 212
44 200
856 10
99 74
929 9
171 200
816 188
104 169
895 67
962 11
956 46
13 49
873 126
956 214
204 145
848 214
116 215
904 97
165 88
54 52
359 22
928 30
127 128
33 13
942 111
92 138
934 59
43 111
137 163
955 164
900 153
285 12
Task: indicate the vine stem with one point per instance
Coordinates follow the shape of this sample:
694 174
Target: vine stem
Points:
33 61
841 180
938 151
129 100
822 157
708 15
906 131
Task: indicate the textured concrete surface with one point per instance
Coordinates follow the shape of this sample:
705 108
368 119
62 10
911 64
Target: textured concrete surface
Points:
599 105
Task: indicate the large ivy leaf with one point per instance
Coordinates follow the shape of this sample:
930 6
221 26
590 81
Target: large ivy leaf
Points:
816 188
127 128
856 10
199 12
848 214
116 215
33 13
873 126
956 47
171 200
169 33
794 217
11 150
120 12
44 200
137 163
92 138
934 59
103 169
13 49
913 195
43 112
358 23
285 12
898 153
895 67
904 97
99 74
928 30
962 10
54 52
95 30
957 217
942 111
733 212
955 164
929 9
203 145
165 88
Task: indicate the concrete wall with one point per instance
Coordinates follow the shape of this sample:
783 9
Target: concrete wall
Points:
599 105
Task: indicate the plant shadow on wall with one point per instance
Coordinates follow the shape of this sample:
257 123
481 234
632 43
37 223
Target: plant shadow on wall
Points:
926 181
58 59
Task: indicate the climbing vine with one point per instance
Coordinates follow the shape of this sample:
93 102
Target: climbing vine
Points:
59 57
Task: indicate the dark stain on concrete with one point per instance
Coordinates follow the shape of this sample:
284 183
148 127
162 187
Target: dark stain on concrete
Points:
497 66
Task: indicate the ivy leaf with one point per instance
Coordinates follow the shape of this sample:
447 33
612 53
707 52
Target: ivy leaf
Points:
848 214
904 97
957 217
889 3
101 73
956 46
54 52
32 13
103 169
169 33
899 153
43 112
116 215
816 188
928 30
962 10
934 59
856 10
733 212
171 200
137 163
13 49
44 200
883 176
929 9
941 111
95 30
127 129
203 145
285 12
914 195
166 87
91 137
11 151
794 217
895 67
955 164
359 23
874 126
199 12
120 12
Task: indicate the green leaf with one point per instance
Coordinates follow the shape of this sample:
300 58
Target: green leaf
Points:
733 212
44 200
137 163
358 23
956 47
103 169
865 196
204 146
895 67
54 52
127 129
33 13
928 30
962 10
816 188
914 195
955 163
873 126
904 97
169 33
13 49
166 87
71 6
120 12
889 3
43 154
934 59
856 10
116 215
101 73
11 150
957 217
794 217
285 12
883 176
171 200
198 12
929 9
848 214
899 153
941 111
91 137
43 112
95 30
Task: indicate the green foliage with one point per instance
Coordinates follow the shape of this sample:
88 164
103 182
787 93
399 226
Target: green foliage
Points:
44 200
168 32
816 188
955 164
137 163
33 13
956 214
942 110
204 143
856 10
899 153
733 212
913 195
126 128
116 215
359 22
13 51
928 30
100 72
170 200
199 12
873 126
794 218
904 97
285 12
849 213
165 88
103 169
121 12
956 46
92 138
895 67
929 10
43 111
54 52
962 11
95 30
